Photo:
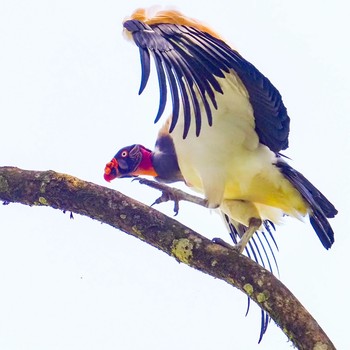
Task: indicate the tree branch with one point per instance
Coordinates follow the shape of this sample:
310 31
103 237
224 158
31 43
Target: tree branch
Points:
68 193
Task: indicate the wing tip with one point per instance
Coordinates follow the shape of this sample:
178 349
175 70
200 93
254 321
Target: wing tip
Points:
169 14
322 228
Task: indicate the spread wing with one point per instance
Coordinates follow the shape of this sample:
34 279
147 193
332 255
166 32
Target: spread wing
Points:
189 59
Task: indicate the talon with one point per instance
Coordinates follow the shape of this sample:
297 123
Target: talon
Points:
158 201
221 242
165 197
176 207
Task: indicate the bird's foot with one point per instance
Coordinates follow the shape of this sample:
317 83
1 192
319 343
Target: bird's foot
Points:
254 224
168 195
221 242
171 194
238 246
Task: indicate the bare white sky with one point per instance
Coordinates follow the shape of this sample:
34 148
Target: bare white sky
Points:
68 102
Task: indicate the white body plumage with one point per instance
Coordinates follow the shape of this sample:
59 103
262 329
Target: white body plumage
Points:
236 172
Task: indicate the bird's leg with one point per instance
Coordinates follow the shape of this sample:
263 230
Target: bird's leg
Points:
254 225
172 194
243 212
232 208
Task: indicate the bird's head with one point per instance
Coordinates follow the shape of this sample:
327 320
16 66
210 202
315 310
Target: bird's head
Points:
130 161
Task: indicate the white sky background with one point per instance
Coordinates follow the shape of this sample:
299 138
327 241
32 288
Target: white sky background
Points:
68 102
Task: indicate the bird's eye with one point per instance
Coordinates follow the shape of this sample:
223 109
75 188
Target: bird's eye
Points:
124 154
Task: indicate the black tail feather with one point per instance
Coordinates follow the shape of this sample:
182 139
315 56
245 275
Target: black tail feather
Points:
259 250
321 207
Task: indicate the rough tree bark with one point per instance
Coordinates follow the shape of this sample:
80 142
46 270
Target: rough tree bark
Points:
68 193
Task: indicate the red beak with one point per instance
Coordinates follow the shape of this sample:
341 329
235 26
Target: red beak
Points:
111 170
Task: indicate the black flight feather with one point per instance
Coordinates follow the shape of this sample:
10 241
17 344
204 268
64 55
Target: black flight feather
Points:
192 61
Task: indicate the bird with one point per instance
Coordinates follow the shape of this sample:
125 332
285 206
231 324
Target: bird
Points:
225 135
